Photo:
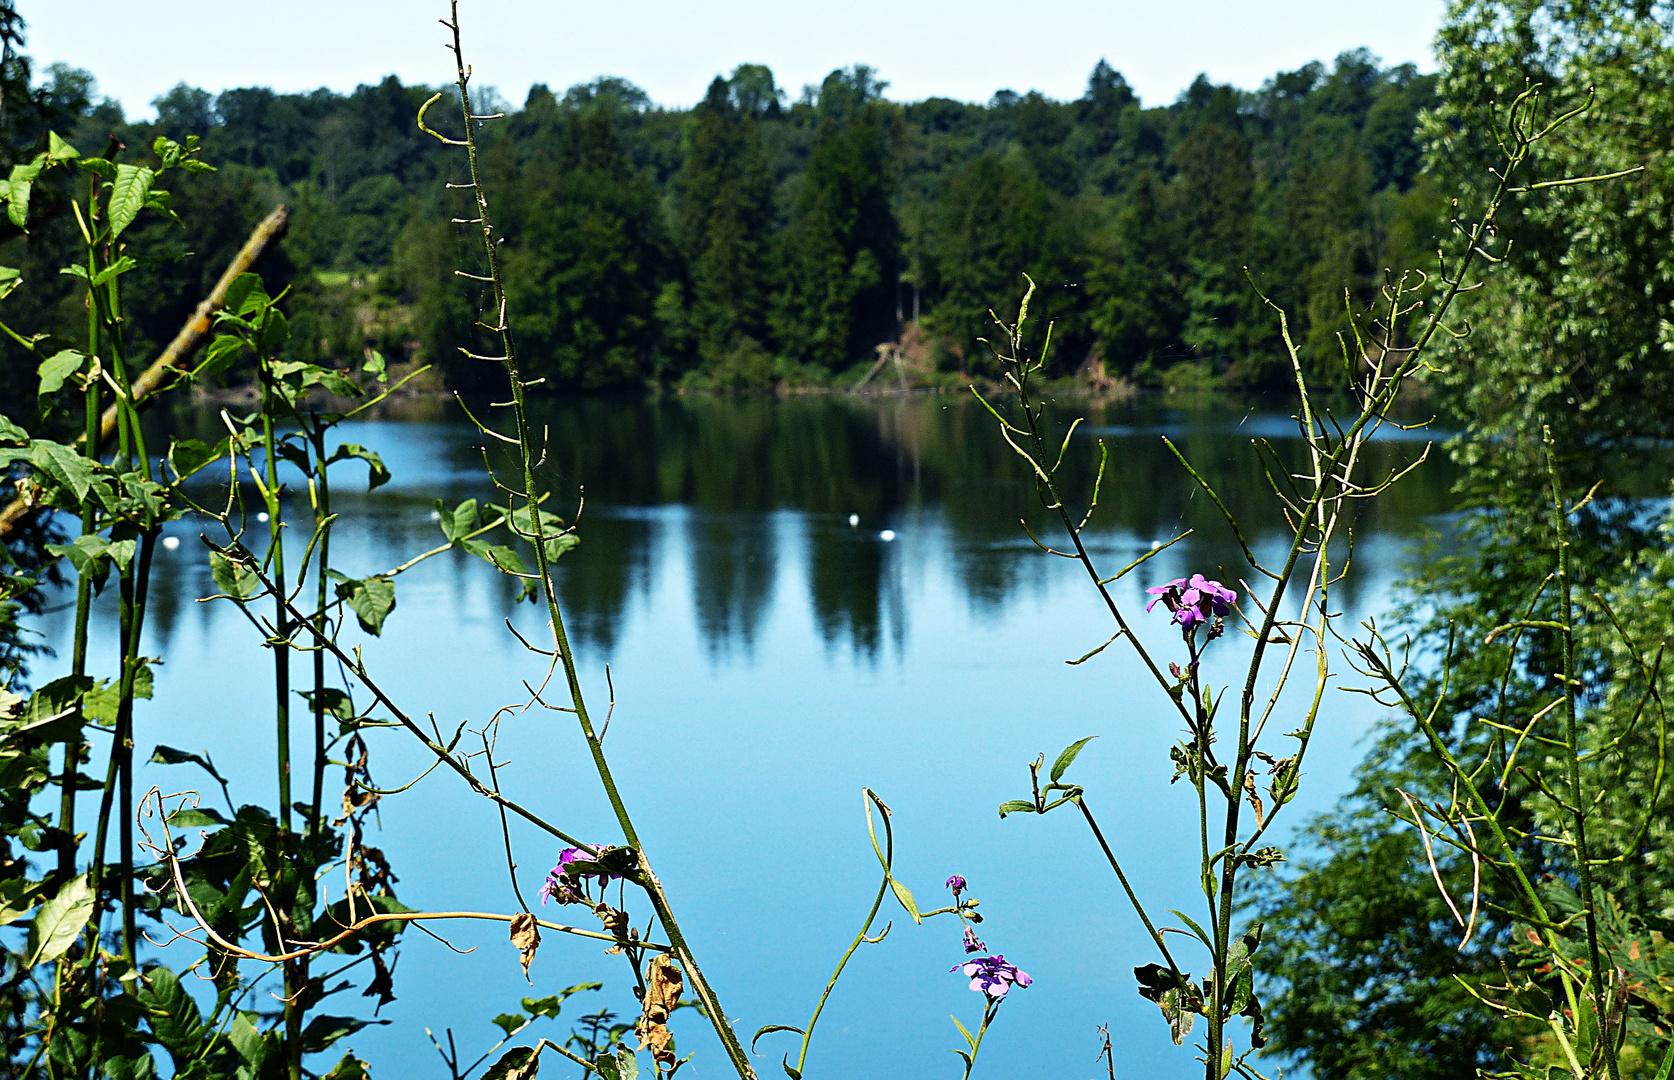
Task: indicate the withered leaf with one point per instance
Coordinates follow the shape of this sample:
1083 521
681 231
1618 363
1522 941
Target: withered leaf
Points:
662 995
526 936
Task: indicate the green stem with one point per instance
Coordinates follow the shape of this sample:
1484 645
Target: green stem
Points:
134 597
501 328
322 512
1572 736
78 655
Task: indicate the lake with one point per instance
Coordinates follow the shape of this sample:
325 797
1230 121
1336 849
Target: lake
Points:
770 659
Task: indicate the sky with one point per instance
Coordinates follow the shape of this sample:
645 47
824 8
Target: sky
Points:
672 49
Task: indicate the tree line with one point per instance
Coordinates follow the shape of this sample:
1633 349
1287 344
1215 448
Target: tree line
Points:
753 239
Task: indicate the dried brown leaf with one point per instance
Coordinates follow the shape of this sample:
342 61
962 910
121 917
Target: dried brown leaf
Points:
662 996
526 936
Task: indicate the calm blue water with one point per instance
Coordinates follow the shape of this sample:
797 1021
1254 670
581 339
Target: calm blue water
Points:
769 661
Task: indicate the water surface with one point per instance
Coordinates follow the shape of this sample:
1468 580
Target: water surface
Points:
770 659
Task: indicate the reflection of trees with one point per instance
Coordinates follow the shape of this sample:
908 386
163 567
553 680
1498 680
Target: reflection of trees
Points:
735 461
733 563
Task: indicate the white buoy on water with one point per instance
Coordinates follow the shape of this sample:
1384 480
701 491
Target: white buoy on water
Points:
262 516
435 515
854 519
1155 544
171 542
887 535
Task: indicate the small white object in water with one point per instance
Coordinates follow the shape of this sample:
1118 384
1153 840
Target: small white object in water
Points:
1155 544
171 542
854 519
435 515
887 535
262 516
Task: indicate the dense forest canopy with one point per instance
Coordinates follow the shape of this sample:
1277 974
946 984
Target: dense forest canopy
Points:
756 239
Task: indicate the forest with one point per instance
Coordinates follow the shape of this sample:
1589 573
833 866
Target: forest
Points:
758 240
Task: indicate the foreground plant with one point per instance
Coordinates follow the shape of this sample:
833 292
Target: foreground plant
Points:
1224 756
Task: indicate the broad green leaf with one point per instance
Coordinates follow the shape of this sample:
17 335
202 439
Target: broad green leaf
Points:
246 294
322 1031
174 1017
221 354
377 474
193 818
64 465
518 1063
249 1042
127 196
10 432
168 755
1017 806
557 545
351 1067
17 899
622 1065
18 188
60 921
55 698
376 367
59 150
235 579
1066 758
275 332
103 700
116 269
10 279
98 166
459 522
334 381
371 599
58 367
188 456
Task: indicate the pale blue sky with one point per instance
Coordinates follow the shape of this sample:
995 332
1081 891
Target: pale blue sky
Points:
961 50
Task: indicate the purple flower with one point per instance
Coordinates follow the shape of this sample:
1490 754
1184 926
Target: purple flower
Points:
957 884
1193 600
564 882
971 943
991 975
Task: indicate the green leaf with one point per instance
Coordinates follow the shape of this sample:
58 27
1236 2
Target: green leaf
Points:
371 599
1067 758
276 330
191 818
322 1031
189 456
376 367
518 1063
236 579
905 896
59 150
174 1017
247 294
121 266
510 1023
622 1065
557 545
17 898
459 522
251 1045
221 354
10 279
65 466
1016 806
351 1067
18 188
970 1040
10 432
58 367
54 699
377 474
98 166
127 196
334 381
103 700
60 921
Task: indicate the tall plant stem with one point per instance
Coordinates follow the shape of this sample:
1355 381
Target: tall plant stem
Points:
322 514
501 328
84 606
140 587
1578 801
